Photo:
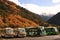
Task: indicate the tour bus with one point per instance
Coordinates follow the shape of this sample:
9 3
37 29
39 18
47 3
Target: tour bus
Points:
20 32
51 30
37 31
12 32
9 32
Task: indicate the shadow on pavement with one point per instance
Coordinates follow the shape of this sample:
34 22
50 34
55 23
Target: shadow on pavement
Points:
57 39
10 37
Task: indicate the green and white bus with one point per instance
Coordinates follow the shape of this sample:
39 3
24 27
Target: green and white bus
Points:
37 31
51 30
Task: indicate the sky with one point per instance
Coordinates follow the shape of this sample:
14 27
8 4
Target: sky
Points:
40 6
38 2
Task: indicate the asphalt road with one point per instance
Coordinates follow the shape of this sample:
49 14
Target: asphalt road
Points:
54 37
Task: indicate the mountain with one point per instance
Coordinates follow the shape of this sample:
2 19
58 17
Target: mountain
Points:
55 19
12 15
46 17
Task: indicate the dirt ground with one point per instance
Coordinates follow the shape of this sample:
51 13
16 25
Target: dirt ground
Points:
53 37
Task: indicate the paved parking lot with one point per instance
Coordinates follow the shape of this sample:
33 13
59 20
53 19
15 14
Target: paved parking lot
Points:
55 37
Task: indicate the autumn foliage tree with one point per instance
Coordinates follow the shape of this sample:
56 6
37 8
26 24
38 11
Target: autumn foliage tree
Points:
17 20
